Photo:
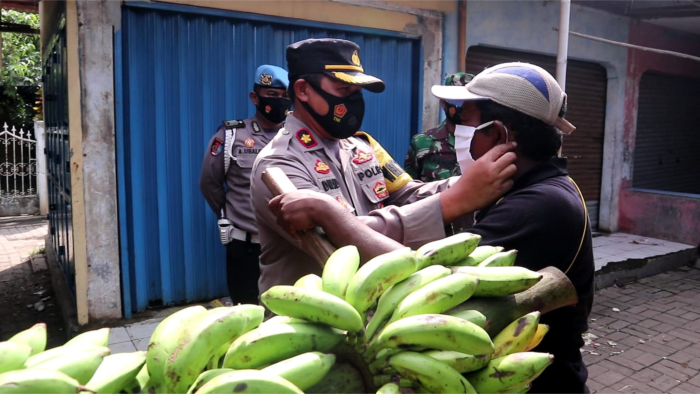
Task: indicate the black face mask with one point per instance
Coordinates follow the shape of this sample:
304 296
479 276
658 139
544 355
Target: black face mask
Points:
274 109
452 112
344 116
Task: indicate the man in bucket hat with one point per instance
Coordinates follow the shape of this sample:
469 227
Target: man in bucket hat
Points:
323 153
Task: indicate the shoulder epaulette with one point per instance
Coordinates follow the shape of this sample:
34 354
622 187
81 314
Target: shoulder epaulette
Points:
234 124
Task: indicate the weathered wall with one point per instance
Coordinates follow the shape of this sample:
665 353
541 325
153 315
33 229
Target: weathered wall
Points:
527 26
666 216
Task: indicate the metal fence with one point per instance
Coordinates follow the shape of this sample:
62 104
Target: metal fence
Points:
17 165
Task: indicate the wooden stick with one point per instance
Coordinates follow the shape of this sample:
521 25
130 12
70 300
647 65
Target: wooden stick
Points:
641 48
313 243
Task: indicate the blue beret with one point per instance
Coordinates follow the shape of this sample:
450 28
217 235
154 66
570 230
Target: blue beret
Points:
269 76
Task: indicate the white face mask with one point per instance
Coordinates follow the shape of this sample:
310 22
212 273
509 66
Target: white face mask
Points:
463 143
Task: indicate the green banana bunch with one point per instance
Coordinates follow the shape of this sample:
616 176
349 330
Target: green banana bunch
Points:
34 336
310 281
382 380
340 267
13 355
60 351
512 370
389 388
447 251
469 315
436 297
163 341
394 295
27 381
500 281
304 370
205 377
516 336
478 255
377 275
314 306
90 338
79 365
202 337
432 375
271 343
140 384
461 362
542 330
248 381
432 331
115 372
500 259
521 389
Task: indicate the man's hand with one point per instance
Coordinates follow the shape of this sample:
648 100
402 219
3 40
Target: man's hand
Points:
300 210
483 182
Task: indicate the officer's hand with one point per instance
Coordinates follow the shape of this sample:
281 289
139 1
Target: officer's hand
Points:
300 210
481 184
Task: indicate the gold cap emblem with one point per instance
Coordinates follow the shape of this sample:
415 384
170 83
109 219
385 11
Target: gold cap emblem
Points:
266 79
356 59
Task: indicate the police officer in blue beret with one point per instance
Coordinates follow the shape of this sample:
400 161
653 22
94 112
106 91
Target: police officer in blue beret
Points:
225 178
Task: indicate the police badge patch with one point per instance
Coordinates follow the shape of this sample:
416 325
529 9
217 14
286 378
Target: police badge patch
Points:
249 143
321 167
217 146
362 157
380 190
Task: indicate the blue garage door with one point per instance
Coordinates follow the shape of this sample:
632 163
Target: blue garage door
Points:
180 73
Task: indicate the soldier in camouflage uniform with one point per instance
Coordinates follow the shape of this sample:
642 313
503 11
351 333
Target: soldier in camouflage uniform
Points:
431 155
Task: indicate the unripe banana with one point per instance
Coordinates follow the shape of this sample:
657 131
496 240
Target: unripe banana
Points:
34 336
140 384
377 275
248 381
59 351
461 362
470 315
79 365
312 305
542 330
478 255
447 251
384 379
164 341
340 267
437 297
520 389
509 371
392 297
432 331
500 259
516 336
91 338
310 281
13 355
116 372
304 370
205 377
271 343
389 388
27 381
202 337
431 374
500 281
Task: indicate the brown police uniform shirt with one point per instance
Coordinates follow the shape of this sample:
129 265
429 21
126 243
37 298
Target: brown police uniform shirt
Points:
249 141
355 181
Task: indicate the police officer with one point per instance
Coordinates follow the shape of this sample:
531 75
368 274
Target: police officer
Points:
225 178
321 150
431 155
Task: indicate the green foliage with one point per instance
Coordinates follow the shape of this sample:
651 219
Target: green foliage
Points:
21 70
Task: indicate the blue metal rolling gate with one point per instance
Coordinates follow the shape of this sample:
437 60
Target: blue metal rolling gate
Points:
180 72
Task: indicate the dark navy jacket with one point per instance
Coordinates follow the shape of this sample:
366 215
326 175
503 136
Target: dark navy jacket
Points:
543 218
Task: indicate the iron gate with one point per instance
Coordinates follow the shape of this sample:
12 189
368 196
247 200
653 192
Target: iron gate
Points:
55 80
18 193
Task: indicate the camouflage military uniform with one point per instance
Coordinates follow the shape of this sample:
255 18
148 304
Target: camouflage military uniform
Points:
431 155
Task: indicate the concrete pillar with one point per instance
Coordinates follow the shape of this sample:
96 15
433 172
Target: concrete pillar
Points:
41 188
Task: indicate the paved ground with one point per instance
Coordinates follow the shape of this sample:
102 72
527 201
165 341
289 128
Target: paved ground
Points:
645 337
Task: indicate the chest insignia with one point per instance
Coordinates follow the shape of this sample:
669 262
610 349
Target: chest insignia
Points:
380 190
306 138
362 157
217 146
249 143
321 167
